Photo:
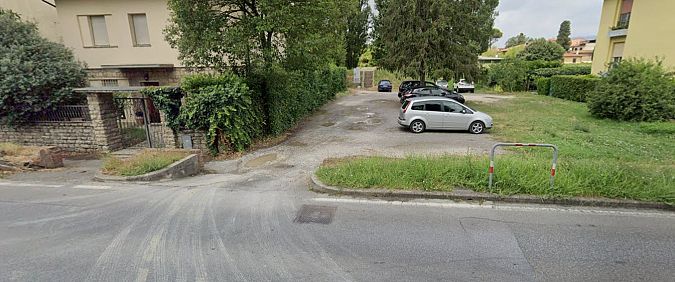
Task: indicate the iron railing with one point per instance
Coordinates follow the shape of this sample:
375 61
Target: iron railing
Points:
68 113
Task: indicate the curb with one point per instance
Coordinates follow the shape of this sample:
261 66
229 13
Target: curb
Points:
467 195
187 166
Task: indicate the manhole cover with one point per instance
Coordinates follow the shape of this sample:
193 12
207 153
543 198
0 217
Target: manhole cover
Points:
315 214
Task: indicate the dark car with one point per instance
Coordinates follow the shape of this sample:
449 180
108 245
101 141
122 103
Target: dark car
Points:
433 91
410 84
384 86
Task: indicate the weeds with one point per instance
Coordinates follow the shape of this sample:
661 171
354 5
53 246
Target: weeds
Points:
142 163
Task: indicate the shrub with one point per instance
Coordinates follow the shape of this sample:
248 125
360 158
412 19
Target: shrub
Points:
291 96
222 106
35 74
168 100
510 75
571 87
565 70
543 86
635 90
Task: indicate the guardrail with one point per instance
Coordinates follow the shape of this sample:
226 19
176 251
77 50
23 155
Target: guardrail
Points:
491 170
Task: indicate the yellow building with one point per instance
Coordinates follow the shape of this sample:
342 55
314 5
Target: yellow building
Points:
634 29
121 41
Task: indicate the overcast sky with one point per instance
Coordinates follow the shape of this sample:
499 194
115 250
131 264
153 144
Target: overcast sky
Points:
542 18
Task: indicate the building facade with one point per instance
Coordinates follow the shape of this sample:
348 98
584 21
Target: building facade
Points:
635 29
42 13
580 52
121 41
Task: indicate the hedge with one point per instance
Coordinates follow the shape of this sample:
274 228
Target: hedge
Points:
571 87
564 70
544 86
291 96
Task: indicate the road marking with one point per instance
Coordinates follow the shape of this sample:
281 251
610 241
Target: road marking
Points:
98 187
510 207
20 184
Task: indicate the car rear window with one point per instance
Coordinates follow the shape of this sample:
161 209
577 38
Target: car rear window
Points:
385 82
405 104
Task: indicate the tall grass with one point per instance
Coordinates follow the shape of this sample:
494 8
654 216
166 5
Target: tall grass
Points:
142 163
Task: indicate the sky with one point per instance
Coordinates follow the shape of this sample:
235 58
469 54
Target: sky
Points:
542 18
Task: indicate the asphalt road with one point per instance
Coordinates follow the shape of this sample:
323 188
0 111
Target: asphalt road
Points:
255 220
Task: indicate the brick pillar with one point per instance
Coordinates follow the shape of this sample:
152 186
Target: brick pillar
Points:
167 133
104 120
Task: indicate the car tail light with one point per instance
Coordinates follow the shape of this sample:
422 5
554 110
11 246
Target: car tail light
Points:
407 107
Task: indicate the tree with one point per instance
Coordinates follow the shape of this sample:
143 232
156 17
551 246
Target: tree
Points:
496 35
426 36
35 74
378 48
564 35
543 50
243 33
519 39
358 23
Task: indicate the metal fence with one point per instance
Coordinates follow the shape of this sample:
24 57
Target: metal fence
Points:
69 113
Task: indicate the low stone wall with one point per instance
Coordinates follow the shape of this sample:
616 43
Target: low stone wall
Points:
65 135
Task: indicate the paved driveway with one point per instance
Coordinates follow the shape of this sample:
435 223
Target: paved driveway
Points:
364 124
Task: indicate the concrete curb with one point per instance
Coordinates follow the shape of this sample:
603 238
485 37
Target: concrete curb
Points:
187 166
467 195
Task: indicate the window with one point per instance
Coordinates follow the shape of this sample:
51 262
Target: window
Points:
617 52
94 31
433 107
436 92
417 107
450 107
109 83
624 14
99 31
139 29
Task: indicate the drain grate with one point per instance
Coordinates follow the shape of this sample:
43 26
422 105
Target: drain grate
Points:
315 214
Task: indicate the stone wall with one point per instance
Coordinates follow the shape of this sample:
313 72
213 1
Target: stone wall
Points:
66 135
198 139
139 77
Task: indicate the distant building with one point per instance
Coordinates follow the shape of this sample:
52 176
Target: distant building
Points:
43 13
633 29
122 41
581 51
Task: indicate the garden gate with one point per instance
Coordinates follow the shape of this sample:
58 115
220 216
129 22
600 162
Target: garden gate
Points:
139 122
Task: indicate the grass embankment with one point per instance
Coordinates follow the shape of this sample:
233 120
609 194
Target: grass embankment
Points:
598 158
142 163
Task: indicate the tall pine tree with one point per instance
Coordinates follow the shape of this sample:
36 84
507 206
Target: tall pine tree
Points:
358 23
421 37
564 35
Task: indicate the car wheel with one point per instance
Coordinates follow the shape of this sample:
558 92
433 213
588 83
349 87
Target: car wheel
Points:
417 126
472 90
477 127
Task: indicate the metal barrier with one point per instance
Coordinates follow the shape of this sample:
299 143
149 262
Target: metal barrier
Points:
491 170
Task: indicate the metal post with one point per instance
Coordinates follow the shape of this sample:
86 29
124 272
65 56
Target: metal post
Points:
491 169
147 123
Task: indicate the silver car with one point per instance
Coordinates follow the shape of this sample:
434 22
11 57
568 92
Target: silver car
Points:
424 113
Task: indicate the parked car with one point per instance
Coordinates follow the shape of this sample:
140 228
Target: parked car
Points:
464 86
442 84
384 86
422 113
410 84
433 91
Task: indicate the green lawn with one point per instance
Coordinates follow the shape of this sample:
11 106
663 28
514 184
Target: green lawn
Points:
597 157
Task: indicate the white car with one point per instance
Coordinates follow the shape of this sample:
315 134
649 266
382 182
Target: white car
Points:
464 86
422 113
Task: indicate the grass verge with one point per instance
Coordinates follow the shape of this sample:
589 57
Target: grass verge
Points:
142 163
598 158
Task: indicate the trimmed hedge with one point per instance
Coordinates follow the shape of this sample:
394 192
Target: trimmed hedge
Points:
291 96
564 70
572 87
544 86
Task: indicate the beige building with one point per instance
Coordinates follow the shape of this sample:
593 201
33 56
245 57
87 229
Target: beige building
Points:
580 52
120 41
635 29
43 13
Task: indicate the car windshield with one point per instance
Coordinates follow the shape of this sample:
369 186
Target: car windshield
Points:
442 82
385 82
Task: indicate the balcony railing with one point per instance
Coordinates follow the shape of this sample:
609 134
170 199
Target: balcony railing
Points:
623 23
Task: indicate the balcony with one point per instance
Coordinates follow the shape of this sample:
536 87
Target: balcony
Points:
621 28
